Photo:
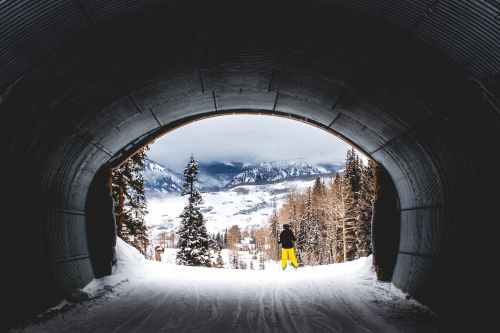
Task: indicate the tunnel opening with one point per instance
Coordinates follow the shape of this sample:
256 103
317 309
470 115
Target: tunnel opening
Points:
81 88
276 182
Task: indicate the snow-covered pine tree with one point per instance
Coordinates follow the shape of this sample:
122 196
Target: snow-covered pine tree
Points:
130 201
274 232
340 190
304 245
318 190
219 262
224 240
262 264
193 235
366 199
353 172
330 208
218 241
318 233
119 189
300 245
313 241
234 259
352 221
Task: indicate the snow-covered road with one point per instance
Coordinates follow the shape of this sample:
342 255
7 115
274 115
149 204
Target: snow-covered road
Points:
154 297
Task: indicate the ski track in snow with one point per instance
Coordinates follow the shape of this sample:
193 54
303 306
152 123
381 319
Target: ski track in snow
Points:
158 297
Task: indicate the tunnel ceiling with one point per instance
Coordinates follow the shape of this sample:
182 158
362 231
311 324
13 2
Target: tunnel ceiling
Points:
467 31
413 83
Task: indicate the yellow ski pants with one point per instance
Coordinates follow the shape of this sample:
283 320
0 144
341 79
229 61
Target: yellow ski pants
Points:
288 253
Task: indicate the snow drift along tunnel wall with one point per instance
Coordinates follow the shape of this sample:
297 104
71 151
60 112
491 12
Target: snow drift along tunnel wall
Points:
414 84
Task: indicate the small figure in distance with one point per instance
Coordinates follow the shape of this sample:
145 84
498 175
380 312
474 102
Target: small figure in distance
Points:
286 240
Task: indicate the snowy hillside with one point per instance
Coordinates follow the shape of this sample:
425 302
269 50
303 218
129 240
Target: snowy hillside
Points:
268 172
248 206
158 178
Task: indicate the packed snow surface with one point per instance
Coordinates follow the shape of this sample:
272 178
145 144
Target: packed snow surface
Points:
147 296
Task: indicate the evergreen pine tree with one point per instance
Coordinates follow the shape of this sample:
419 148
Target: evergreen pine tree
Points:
219 262
234 258
304 245
225 239
366 199
243 264
344 234
130 201
353 171
352 177
318 189
293 218
274 230
194 243
318 230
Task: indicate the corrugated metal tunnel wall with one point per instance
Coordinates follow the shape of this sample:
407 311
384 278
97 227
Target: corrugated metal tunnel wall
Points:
414 84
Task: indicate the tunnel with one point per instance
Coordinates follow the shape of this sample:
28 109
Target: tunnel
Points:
414 84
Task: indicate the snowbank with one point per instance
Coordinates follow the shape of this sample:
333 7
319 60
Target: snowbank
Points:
129 265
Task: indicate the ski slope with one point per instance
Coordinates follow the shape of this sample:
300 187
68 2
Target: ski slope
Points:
248 206
146 296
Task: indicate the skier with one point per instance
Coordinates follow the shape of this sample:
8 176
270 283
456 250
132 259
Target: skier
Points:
286 240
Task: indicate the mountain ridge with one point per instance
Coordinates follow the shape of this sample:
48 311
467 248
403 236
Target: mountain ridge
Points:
225 175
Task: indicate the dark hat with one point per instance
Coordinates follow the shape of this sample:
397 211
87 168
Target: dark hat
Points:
286 226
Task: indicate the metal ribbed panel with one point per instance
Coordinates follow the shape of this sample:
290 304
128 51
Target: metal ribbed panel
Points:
30 30
176 109
66 232
350 128
301 84
404 13
414 274
64 158
135 122
424 231
100 11
469 31
71 274
295 105
241 79
420 169
248 99
168 84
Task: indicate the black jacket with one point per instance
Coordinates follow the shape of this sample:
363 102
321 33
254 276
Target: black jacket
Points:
286 239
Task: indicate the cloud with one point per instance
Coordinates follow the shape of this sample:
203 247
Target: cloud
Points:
246 138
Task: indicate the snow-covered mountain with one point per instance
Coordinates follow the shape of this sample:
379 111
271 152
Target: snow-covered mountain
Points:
216 175
159 179
222 175
270 172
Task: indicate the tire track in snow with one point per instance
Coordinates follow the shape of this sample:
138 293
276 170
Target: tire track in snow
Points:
181 299
143 315
361 312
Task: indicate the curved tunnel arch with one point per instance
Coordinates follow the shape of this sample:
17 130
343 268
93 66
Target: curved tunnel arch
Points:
106 77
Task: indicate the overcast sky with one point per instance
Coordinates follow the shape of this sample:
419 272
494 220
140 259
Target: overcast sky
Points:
246 138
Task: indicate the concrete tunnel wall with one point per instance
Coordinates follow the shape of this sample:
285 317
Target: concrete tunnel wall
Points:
82 83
